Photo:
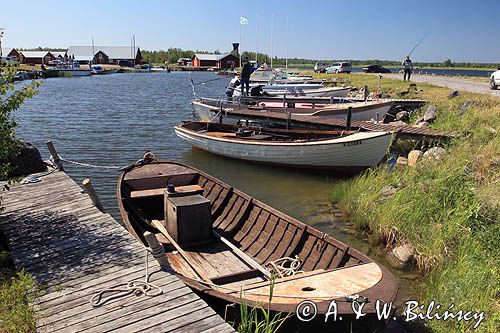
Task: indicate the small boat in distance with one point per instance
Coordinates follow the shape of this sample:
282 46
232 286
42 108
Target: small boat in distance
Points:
345 151
231 246
67 69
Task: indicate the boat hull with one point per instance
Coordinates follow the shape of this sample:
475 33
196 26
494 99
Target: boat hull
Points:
357 151
302 91
367 112
68 72
254 234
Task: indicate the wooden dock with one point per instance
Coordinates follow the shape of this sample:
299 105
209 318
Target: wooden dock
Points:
291 100
405 131
72 250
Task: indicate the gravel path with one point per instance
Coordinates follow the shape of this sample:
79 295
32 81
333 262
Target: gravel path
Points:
454 83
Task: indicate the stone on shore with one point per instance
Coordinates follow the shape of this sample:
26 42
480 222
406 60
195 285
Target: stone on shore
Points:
401 256
27 161
402 161
430 114
435 153
402 115
413 157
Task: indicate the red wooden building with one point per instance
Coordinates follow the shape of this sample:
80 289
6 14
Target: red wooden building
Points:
36 57
219 61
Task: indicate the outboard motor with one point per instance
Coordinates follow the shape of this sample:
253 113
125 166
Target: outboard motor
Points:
235 82
257 91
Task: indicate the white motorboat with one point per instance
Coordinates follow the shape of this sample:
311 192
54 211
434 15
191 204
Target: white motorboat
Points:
342 150
67 70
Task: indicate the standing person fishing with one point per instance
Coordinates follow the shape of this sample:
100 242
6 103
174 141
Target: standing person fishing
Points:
246 71
408 66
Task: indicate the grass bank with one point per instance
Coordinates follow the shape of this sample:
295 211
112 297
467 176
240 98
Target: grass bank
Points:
16 294
447 209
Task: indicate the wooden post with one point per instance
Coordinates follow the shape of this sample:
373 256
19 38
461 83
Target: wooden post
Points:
156 249
349 118
92 194
55 156
366 93
288 120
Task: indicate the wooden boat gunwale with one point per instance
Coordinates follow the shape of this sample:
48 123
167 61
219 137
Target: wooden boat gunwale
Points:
330 109
313 142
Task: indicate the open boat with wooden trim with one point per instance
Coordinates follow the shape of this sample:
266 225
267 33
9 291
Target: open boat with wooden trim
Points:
224 243
207 109
345 151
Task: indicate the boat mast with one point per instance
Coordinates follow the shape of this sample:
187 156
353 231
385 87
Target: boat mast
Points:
93 53
256 39
286 44
272 28
133 48
240 51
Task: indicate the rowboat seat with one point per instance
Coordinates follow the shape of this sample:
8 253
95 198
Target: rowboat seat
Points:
222 134
156 192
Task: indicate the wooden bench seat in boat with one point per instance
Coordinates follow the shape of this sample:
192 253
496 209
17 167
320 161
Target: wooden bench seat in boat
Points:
222 134
147 177
155 192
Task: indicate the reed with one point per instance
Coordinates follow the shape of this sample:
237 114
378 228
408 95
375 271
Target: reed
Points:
259 319
448 209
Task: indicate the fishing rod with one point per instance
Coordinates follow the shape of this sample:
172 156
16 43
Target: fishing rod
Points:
427 34
219 78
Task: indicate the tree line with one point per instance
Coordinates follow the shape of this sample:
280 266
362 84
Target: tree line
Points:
173 54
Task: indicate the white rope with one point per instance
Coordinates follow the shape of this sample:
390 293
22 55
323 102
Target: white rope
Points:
88 164
285 266
132 287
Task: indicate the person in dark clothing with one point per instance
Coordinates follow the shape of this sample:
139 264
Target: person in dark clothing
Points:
246 71
408 66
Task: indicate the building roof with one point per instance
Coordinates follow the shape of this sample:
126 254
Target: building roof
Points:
58 53
113 52
6 51
34 54
213 57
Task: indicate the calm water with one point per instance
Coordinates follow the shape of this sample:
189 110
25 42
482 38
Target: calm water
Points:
112 119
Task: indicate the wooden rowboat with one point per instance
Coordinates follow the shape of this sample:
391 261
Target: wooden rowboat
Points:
337 150
227 258
361 111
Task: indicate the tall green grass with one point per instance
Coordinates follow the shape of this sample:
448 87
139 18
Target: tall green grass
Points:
16 296
448 210
258 319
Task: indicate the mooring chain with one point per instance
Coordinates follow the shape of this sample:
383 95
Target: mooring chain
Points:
88 164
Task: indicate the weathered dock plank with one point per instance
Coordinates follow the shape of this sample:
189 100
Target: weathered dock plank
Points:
73 250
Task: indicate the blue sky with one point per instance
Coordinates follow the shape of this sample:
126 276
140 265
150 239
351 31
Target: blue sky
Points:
460 30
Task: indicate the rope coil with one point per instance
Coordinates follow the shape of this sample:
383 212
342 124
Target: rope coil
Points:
285 266
132 287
